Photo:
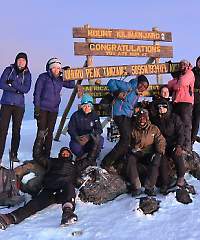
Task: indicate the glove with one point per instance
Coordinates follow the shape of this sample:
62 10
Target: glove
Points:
83 139
178 150
9 82
37 113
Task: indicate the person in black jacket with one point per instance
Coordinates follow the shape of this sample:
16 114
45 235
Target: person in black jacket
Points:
85 131
196 106
58 187
171 128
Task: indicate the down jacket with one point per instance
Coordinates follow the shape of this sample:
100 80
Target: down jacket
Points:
124 107
20 83
182 88
82 124
148 139
47 91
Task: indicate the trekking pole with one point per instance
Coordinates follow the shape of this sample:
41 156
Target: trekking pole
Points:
82 185
10 175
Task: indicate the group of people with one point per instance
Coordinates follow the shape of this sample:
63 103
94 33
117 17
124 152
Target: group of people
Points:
84 128
155 131
150 133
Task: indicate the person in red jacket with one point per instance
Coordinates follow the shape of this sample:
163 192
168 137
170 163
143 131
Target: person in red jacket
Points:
182 88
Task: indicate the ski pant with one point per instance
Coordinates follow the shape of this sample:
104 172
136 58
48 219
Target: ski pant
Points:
44 199
164 167
195 120
17 113
184 110
79 150
152 162
121 148
47 120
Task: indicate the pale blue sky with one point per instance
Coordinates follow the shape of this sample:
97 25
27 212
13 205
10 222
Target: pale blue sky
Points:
43 28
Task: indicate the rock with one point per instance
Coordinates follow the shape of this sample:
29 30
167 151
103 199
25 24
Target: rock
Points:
102 187
149 205
183 196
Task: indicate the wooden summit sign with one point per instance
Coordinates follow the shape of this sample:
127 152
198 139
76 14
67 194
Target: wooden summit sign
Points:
117 71
102 33
122 50
100 91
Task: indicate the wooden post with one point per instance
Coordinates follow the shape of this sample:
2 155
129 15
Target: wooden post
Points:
157 60
89 58
67 109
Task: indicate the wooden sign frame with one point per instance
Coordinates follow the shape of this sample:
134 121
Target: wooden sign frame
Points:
105 33
117 71
122 50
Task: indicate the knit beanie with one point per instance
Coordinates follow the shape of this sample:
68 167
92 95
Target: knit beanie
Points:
53 62
87 99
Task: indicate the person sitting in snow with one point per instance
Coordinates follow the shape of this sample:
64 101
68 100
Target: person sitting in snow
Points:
172 129
85 131
147 147
58 187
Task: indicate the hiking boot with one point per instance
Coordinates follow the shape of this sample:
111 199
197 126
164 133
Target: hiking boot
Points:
150 191
5 221
136 192
163 189
68 217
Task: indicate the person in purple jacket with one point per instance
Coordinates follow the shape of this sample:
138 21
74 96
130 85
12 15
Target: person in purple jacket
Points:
47 100
15 82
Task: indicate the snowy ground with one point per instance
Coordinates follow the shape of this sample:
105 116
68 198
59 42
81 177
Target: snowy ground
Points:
118 219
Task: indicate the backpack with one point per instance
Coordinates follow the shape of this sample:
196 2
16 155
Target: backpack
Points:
9 192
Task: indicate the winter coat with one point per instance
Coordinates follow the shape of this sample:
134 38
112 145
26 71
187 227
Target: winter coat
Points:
148 139
82 124
19 84
47 91
124 107
196 72
60 172
182 88
171 128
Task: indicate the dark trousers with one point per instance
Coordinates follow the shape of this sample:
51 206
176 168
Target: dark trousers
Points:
164 167
195 120
17 113
184 110
152 162
47 120
44 199
79 150
120 149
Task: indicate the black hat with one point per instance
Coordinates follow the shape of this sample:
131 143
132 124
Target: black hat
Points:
21 55
142 112
142 78
65 149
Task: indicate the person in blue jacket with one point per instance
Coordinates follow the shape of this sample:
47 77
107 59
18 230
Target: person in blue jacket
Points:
47 100
85 131
126 96
15 82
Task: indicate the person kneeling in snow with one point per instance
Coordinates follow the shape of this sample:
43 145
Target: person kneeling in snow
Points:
59 187
147 147
85 131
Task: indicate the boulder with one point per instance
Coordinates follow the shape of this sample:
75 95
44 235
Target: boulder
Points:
102 186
